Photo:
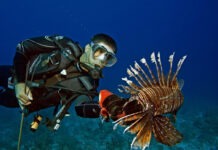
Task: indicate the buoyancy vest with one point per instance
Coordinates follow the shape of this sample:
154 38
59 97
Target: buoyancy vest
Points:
61 69
63 74
47 64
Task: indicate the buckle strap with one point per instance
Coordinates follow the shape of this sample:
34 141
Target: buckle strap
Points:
64 51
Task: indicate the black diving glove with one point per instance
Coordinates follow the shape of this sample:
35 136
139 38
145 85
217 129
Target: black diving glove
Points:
111 105
115 107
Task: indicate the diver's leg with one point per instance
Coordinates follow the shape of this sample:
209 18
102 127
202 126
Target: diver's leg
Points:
51 99
5 73
2 89
8 98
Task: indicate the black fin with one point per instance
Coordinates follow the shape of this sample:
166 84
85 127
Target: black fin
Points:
165 132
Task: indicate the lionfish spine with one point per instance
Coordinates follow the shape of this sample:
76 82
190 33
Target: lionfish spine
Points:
153 60
126 89
171 66
138 67
121 91
131 84
141 81
133 74
143 60
161 68
179 65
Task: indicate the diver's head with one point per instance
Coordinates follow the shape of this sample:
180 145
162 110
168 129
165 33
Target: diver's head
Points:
105 40
100 51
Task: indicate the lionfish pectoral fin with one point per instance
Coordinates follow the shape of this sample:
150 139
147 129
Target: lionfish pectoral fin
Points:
143 137
138 124
128 119
165 132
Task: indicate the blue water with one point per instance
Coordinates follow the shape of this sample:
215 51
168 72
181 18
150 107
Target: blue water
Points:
139 27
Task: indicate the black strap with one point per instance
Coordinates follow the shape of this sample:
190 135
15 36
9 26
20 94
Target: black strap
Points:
63 50
55 122
95 73
89 93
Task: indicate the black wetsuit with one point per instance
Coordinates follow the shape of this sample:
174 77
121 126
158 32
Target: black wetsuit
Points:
7 96
27 52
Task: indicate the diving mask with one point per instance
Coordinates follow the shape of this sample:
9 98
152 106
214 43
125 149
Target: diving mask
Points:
104 54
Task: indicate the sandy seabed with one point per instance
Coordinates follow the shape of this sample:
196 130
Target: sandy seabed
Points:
199 128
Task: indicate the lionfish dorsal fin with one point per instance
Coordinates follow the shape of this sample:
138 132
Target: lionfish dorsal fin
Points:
126 89
129 72
131 84
139 68
120 90
143 60
171 57
161 68
179 65
153 60
137 76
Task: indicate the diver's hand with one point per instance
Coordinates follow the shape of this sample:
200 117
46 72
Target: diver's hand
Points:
23 94
111 105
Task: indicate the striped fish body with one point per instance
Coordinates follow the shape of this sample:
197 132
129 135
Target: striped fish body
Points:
161 99
156 97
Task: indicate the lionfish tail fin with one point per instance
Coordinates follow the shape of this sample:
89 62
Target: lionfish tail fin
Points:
165 132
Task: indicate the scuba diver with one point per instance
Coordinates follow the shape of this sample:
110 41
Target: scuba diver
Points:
55 71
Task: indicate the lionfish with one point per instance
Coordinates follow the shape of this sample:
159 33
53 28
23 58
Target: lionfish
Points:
159 98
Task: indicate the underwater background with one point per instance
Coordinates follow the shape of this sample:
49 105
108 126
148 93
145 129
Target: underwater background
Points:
188 27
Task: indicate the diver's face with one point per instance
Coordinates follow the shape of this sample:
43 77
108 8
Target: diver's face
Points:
103 54
91 57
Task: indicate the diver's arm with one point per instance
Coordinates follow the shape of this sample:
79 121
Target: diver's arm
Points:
26 51
30 48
